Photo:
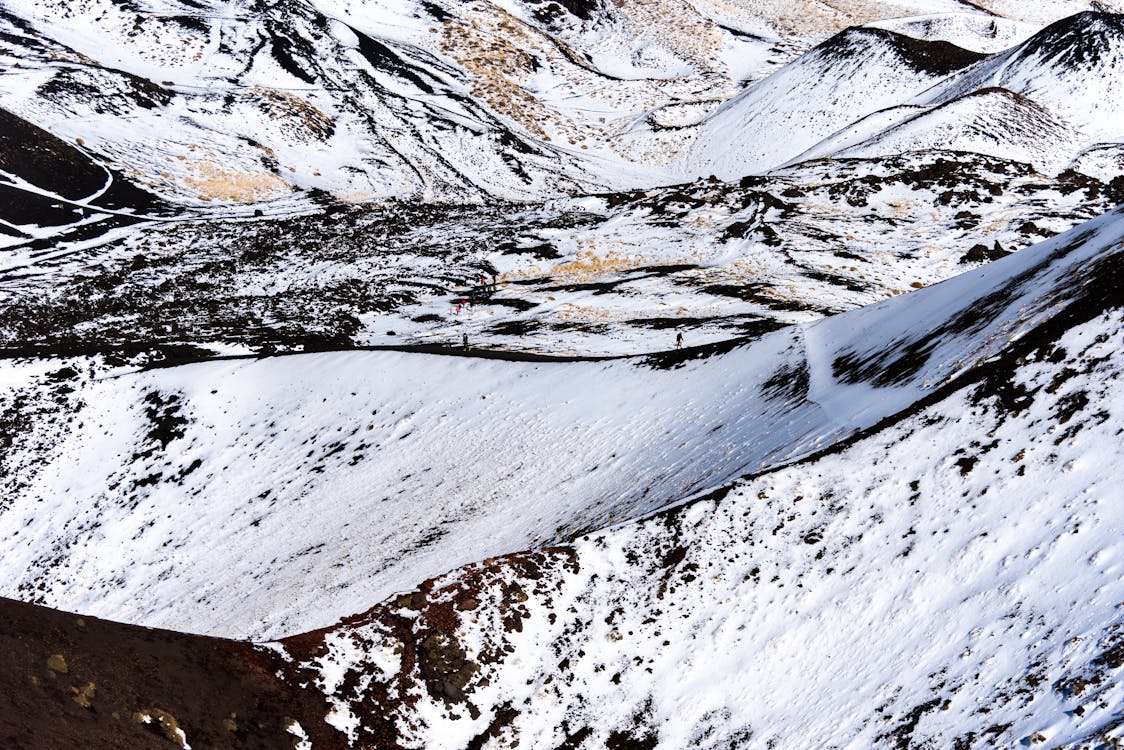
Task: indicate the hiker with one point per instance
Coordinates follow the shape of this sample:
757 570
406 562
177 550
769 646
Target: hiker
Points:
464 340
679 341
493 282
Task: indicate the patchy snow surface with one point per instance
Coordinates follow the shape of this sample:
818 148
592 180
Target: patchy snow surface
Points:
613 274
217 103
340 478
304 303
1043 101
953 580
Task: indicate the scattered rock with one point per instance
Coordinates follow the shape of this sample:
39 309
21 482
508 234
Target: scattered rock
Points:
445 667
57 663
84 697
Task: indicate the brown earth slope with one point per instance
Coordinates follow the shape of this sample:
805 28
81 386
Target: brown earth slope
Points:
79 682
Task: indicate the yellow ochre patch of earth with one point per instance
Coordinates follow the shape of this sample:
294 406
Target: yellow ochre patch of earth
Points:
84 696
161 720
495 48
587 265
213 182
490 47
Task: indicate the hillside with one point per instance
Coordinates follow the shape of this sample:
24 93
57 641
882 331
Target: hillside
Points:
914 584
951 579
994 122
563 374
899 86
845 79
1072 68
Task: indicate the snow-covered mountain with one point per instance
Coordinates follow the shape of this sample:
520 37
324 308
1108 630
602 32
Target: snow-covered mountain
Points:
850 76
879 91
218 102
994 121
952 578
560 373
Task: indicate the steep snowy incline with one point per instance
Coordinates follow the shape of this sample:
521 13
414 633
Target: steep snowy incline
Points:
993 122
1074 68
852 75
218 103
862 93
262 497
954 580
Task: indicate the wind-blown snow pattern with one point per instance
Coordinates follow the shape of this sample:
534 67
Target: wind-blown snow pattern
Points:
953 579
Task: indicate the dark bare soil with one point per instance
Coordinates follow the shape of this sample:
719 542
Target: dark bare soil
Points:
79 682
45 160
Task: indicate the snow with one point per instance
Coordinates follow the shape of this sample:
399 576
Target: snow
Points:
866 506
297 731
285 459
844 80
211 104
995 122
974 31
1071 68
860 95
955 578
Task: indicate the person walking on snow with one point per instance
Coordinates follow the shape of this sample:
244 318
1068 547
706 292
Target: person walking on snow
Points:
464 340
679 341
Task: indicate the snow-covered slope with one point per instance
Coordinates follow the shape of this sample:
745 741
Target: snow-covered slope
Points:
339 478
222 102
850 76
219 102
864 93
995 122
305 304
952 580
1074 68
55 197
